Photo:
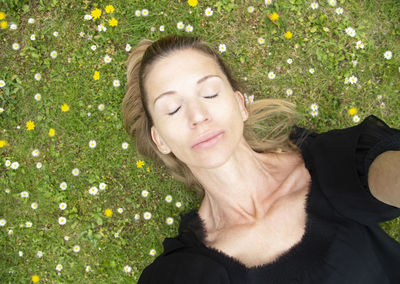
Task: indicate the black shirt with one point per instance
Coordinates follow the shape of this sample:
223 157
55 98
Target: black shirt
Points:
343 242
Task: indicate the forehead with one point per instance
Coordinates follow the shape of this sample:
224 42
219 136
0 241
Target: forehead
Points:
179 68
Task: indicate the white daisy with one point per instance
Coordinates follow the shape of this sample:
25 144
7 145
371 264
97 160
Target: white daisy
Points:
20 253
208 12
314 113
145 12
87 17
339 11
346 80
37 97
314 107
169 221
38 165
28 224
168 198
107 59
250 9
15 46
116 83
24 194
388 54
222 47
332 3
59 267
120 210
88 268
359 44
62 220
180 25
145 193
53 54
93 190
81 34
13 27
15 165
128 47
314 5
66 238
152 252
162 28
38 76
125 145
127 269
92 144
382 105
353 79
289 92
101 28
2 222
268 2
356 119
10 232
137 217
271 75
31 21
39 254
55 34
290 61
34 205
311 70
1 110
137 13
147 215
2 83
116 235
102 186
189 28
261 40
350 31
63 185
100 107
63 205
33 37
76 248
75 172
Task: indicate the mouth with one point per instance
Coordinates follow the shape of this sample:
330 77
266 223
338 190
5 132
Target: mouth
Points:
208 140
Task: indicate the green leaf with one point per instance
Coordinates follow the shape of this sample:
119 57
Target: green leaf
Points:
313 29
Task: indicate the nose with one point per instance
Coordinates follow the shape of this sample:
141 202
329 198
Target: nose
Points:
198 113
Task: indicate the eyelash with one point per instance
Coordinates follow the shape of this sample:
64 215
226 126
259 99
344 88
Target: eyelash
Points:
209 97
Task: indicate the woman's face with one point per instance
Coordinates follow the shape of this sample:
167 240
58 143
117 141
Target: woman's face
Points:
189 97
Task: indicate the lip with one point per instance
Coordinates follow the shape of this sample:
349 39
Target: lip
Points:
208 137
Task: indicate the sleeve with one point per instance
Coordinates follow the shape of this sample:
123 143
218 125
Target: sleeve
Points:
342 157
183 268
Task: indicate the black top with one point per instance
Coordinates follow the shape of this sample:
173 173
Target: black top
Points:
343 242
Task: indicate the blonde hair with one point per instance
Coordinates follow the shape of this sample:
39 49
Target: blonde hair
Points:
267 128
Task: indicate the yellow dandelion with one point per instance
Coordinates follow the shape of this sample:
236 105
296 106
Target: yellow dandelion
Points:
96 75
113 22
51 132
96 13
3 25
108 212
109 8
139 164
3 143
274 16
30 125
35 278
288 34
192 3
352 111
2 15
64 108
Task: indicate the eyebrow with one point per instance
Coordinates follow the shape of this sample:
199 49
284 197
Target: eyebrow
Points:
174 92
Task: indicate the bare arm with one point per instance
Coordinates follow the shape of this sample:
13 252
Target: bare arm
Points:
384 178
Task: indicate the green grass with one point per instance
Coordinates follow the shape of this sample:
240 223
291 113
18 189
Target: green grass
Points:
318 42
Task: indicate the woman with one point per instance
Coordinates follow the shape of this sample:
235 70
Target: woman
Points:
280 204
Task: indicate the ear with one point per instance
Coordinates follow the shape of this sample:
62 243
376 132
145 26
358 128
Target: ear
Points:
161 145
242 105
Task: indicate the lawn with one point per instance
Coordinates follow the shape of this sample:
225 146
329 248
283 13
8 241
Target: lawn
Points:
78 204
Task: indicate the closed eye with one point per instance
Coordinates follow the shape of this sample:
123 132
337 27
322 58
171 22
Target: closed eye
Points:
209 97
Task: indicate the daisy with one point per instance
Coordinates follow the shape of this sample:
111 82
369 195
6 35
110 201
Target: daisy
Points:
350 31
222 47
127 269
147 215
87 17
102 186
332 3
92 144
311 70
189 28
353 79
76 248
271 75
314 107
38 76
62 220
145 193
168 198
101 28
208 12
81 34
152 252
33 37
2 83
162 28
314 113
180 25
137 13
34 205
53 54
15 165
388 54
2 222
63 206
290 61
63 185
382 105
314 5
20 253
10 232
39 254
24 194
13 27
116 235
289 92
107 59
120 210
145 12
55 34
359 44
261 40
59 267
346 80
75 172
268 2
169 221
356 118
88 268
339 11
116 83
124 145
28 224
38 165
66 238
101 107
15 46
128 47
93 190
31 21
250 9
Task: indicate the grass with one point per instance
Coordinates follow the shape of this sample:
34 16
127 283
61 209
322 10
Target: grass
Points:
319 41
